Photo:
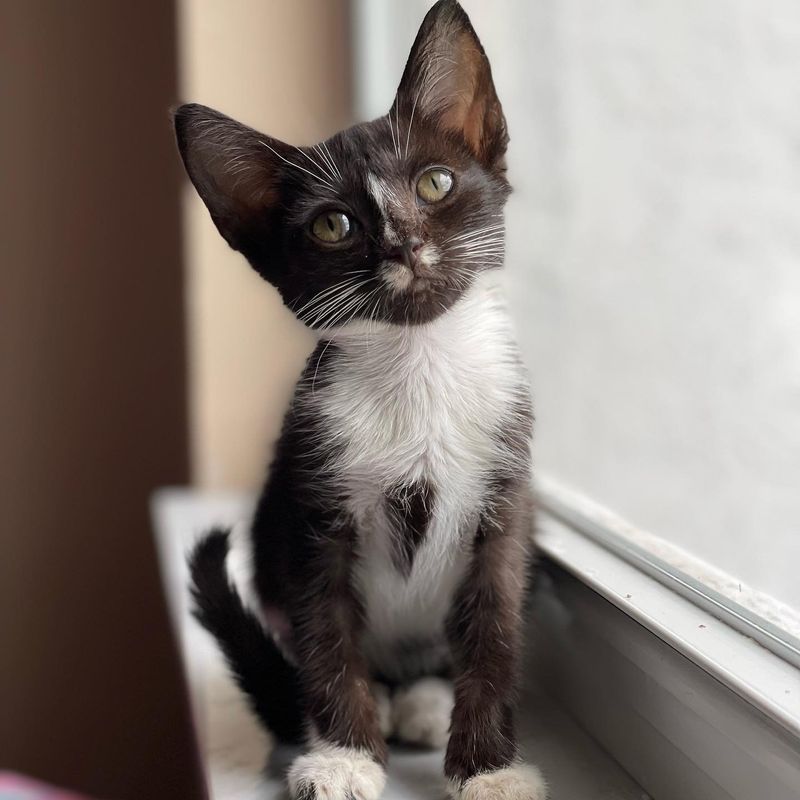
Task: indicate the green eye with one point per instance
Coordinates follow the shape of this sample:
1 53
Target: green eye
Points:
434 185
331 227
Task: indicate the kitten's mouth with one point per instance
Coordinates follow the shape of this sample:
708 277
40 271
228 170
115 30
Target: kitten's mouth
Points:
419 285
418 294
401 278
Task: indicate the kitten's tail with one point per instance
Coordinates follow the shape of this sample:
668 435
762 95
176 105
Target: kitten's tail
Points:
258 666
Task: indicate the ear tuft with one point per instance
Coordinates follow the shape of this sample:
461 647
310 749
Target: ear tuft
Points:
448 80
231 166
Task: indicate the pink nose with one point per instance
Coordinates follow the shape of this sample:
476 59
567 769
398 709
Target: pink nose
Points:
408 252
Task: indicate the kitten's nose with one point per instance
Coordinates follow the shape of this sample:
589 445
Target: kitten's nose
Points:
409 251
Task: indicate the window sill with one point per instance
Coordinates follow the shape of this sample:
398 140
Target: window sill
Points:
688 705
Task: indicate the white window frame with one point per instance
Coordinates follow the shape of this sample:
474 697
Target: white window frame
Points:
684 575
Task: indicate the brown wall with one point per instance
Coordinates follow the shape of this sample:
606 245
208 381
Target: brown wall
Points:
92 394
284 68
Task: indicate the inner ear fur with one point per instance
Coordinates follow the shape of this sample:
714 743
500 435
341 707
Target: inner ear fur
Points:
448 80
233 167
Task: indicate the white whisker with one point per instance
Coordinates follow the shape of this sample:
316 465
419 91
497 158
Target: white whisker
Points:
391 129
477 232
480 243
324 170
316 369
331 305
411 121
397 126
319 311
296 166
324 292
333 161
325 155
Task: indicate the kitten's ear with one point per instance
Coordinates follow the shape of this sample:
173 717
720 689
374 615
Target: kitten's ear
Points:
448 81
233 169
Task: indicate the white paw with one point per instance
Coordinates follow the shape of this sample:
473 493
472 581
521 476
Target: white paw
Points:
383 705
422 712
518 782
330 772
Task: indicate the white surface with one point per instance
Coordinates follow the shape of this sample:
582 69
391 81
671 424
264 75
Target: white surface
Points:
234 747
654 247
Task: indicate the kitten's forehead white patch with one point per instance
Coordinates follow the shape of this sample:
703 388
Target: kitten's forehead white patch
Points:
384 197
380 192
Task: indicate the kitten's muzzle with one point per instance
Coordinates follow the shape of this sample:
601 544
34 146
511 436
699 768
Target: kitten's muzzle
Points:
408 252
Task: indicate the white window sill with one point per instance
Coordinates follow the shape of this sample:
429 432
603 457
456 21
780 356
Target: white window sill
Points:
691 707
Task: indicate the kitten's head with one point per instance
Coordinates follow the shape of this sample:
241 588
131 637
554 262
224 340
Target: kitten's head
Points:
390 220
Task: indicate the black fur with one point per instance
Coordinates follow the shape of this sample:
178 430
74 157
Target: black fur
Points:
411 506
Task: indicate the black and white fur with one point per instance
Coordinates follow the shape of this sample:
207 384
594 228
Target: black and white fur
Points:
378 589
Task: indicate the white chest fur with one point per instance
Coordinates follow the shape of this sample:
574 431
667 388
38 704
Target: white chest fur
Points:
420 403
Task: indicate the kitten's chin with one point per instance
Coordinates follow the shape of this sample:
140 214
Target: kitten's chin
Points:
396 312
418 311
423 301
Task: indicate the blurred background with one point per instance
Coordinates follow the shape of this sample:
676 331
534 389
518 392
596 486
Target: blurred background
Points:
654 262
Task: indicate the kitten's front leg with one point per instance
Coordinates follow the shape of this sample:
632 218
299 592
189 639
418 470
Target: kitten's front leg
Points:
485 632
348 752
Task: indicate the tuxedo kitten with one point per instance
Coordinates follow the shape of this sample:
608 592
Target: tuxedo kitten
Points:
377 591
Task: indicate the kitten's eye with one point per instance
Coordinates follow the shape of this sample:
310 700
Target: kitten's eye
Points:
434 185
331 227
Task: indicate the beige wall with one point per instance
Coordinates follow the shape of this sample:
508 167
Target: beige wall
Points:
284 68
